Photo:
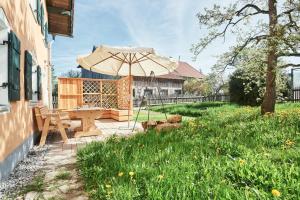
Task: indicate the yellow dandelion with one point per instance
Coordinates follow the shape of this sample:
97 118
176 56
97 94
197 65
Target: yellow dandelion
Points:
108 186
120 174
131 173
276 193
289 142
242 162
160 177
109 192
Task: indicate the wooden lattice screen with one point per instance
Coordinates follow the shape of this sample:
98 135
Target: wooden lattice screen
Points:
103 93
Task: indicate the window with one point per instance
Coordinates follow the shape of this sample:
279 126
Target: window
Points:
14 53
4 31
177 92
148 92
164 92
34 80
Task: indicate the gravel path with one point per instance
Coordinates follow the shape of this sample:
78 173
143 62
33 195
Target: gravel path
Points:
23 173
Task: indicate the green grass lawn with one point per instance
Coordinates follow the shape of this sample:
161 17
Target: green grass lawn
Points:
143 116
230 152
190 110
154 115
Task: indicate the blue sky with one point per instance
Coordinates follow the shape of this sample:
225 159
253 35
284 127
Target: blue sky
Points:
169 26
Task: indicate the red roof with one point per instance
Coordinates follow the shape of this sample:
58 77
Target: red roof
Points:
184 70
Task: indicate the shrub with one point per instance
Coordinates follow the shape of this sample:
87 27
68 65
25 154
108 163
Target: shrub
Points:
239 93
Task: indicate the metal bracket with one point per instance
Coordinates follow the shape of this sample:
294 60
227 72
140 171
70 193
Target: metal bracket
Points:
4 85
5 42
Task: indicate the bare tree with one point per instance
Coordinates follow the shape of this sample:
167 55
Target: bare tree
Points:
72 74
274 25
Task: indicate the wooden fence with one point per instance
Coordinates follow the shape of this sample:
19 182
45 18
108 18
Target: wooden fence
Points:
103 93
296 95
181 99
169 100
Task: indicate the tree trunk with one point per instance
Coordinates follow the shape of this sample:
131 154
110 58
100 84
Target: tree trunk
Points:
269 100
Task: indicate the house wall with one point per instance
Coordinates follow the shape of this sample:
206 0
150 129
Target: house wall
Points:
17 125
90 74
170 85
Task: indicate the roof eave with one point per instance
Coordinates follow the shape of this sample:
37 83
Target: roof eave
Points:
51 10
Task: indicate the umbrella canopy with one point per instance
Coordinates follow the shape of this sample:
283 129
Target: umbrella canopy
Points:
124 61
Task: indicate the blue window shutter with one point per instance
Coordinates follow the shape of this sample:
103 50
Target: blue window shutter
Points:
14 67
28 75
38 11
46 33
42 20
39 82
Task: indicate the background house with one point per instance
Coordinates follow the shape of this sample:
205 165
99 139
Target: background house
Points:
25 69
170 84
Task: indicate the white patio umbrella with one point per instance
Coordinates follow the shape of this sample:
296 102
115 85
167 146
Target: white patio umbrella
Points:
127 61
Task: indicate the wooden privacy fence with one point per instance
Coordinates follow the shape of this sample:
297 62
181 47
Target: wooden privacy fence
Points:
103 93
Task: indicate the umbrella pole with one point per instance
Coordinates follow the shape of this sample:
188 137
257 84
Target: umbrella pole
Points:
130 90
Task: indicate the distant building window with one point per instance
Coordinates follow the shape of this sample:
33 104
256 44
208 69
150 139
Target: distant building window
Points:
148 92
178 92
164 92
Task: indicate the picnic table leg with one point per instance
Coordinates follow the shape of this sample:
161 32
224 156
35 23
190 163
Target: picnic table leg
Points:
45 131
88 127
62 130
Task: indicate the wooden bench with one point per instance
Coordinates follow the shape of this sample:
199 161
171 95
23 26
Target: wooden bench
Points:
111 113
50 120
120 115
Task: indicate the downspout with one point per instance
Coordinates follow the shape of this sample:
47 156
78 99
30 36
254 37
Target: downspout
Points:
50 74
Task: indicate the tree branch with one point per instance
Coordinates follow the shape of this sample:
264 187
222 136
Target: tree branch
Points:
258 10
240 48
292 47
289 65
226 20
288 55
287 12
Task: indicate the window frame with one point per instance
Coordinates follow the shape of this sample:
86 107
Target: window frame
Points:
5 105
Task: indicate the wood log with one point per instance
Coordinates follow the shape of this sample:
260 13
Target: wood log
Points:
175 119
167 126
149 124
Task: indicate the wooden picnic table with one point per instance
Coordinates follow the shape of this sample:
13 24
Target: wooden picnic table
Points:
87 117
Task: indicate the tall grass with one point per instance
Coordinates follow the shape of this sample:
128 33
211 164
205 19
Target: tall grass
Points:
229 153
190 110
